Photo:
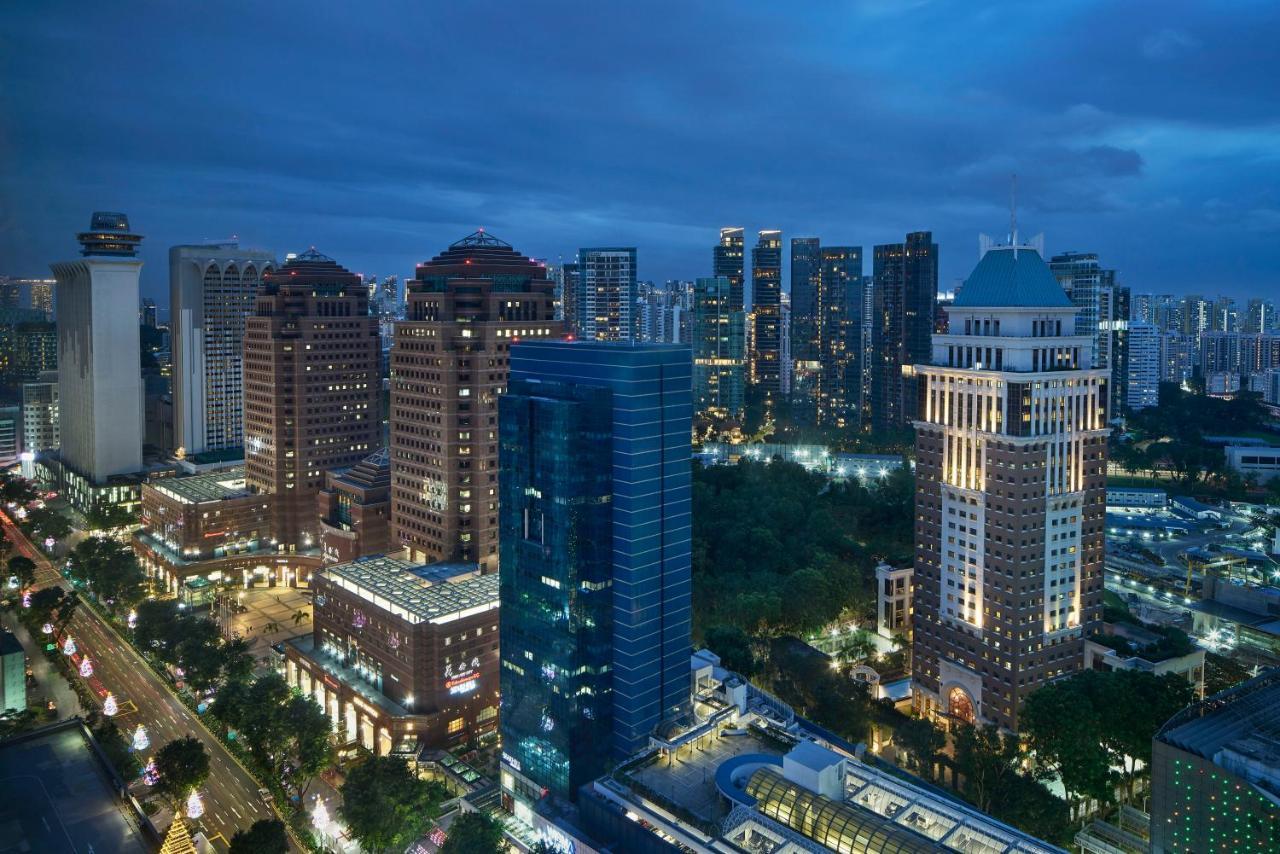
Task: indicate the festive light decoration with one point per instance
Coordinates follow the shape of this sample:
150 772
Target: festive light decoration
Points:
320 815
109 706
133 618
140 740
69 646
26 599
150 775
86 667
195 806
47 628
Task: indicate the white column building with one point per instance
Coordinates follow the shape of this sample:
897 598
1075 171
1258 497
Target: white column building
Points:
99 363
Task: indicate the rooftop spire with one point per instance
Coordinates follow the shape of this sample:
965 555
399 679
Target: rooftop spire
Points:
1013 213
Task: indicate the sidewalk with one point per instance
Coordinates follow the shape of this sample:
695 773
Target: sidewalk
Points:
49 682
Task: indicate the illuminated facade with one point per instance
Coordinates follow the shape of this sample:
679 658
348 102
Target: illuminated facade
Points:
595 532
727 260
1010 493
311 387
466 307
719 348
606 305
402 656
904 294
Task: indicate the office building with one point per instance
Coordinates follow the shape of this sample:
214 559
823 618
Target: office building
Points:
719 349
839 335
355 510
1114 341
1008 571
727 260
28 346
595 580
569 286
805 326
905 289
1144 368
1215 773
766 306
465 308
1087 285
212 289
607 294
40 415
311 388
99 382
402 657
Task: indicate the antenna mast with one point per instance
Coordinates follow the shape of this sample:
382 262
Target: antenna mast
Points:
1013 213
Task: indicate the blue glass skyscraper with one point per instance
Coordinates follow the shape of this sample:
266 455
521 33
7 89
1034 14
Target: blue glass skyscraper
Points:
594 520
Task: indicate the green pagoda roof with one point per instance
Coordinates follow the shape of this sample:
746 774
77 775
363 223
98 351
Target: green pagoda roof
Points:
1015 277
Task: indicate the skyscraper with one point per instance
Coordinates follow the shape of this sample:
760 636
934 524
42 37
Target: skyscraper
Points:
1086 284
805 327
607 294
1010 480
766 305
570 287
465 308
1142 387
1113 339
905 289
839 334
595 580
212 289
727 260
311 387
1260 316
719 348
99 381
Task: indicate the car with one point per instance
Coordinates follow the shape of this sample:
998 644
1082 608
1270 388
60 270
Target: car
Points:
265 794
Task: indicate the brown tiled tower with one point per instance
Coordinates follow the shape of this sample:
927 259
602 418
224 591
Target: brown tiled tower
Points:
311 388
1010 494
465 308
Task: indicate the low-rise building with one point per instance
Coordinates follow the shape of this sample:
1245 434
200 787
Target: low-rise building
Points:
211 527
13 674
1261 462
402 656
1124 646
1136 498
355 509
893 600
1215 773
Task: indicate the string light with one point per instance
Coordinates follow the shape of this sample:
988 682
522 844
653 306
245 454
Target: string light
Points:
140 739
86 667
69 646
110 707
195 807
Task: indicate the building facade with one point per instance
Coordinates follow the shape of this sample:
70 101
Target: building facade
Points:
766 306
904 289
607 294
719 349
1010 494
40 416
727 259
1143 383
402 656
355 510
839 335
311 388
466 307
99 383
595 580
212 289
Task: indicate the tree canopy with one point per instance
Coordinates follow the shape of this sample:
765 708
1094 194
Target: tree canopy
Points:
182 765
473 833
386 806
264 836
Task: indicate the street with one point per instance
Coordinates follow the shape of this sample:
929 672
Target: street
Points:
231 800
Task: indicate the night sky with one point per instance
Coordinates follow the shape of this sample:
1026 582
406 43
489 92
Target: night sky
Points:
1146 131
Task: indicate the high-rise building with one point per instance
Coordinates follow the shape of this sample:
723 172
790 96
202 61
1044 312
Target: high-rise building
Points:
1195 316
1215 773
28 346
607 294
148 315
1178 359
719 349
212 288
595 579
1143 383
569 286
99 380
727 260
804 328
1114 340
1223 316
466 307
1008 568
766 305
1085 282
311 388
1260 316
905 290
40 415
839 335
1220 353
35 294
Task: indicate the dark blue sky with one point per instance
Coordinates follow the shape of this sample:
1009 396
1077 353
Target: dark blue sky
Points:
1146 131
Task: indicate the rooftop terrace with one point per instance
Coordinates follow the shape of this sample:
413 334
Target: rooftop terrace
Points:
202 488
436 593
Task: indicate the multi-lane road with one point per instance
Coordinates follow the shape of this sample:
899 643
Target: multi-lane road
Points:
231 800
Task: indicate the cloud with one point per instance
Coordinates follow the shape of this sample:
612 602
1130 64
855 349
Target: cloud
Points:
1168 44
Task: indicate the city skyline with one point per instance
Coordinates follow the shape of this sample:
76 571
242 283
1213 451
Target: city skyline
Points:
1125 146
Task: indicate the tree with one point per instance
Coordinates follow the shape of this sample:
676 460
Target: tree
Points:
988 761
17 490
1222 672
24 569
735 648
182 765
44 602
6 545
106 516
237 661
158 629
473 833
110 569
922 741
265 729
1063 731
117 749
311 733
386 806
300 616
264 836
46 523
67 604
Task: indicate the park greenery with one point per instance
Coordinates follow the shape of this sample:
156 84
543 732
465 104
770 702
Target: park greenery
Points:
110 571
473 833
190 643
1167 441
386 806
181 765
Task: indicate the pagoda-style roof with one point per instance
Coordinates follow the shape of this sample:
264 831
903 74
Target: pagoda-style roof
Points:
1012 277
